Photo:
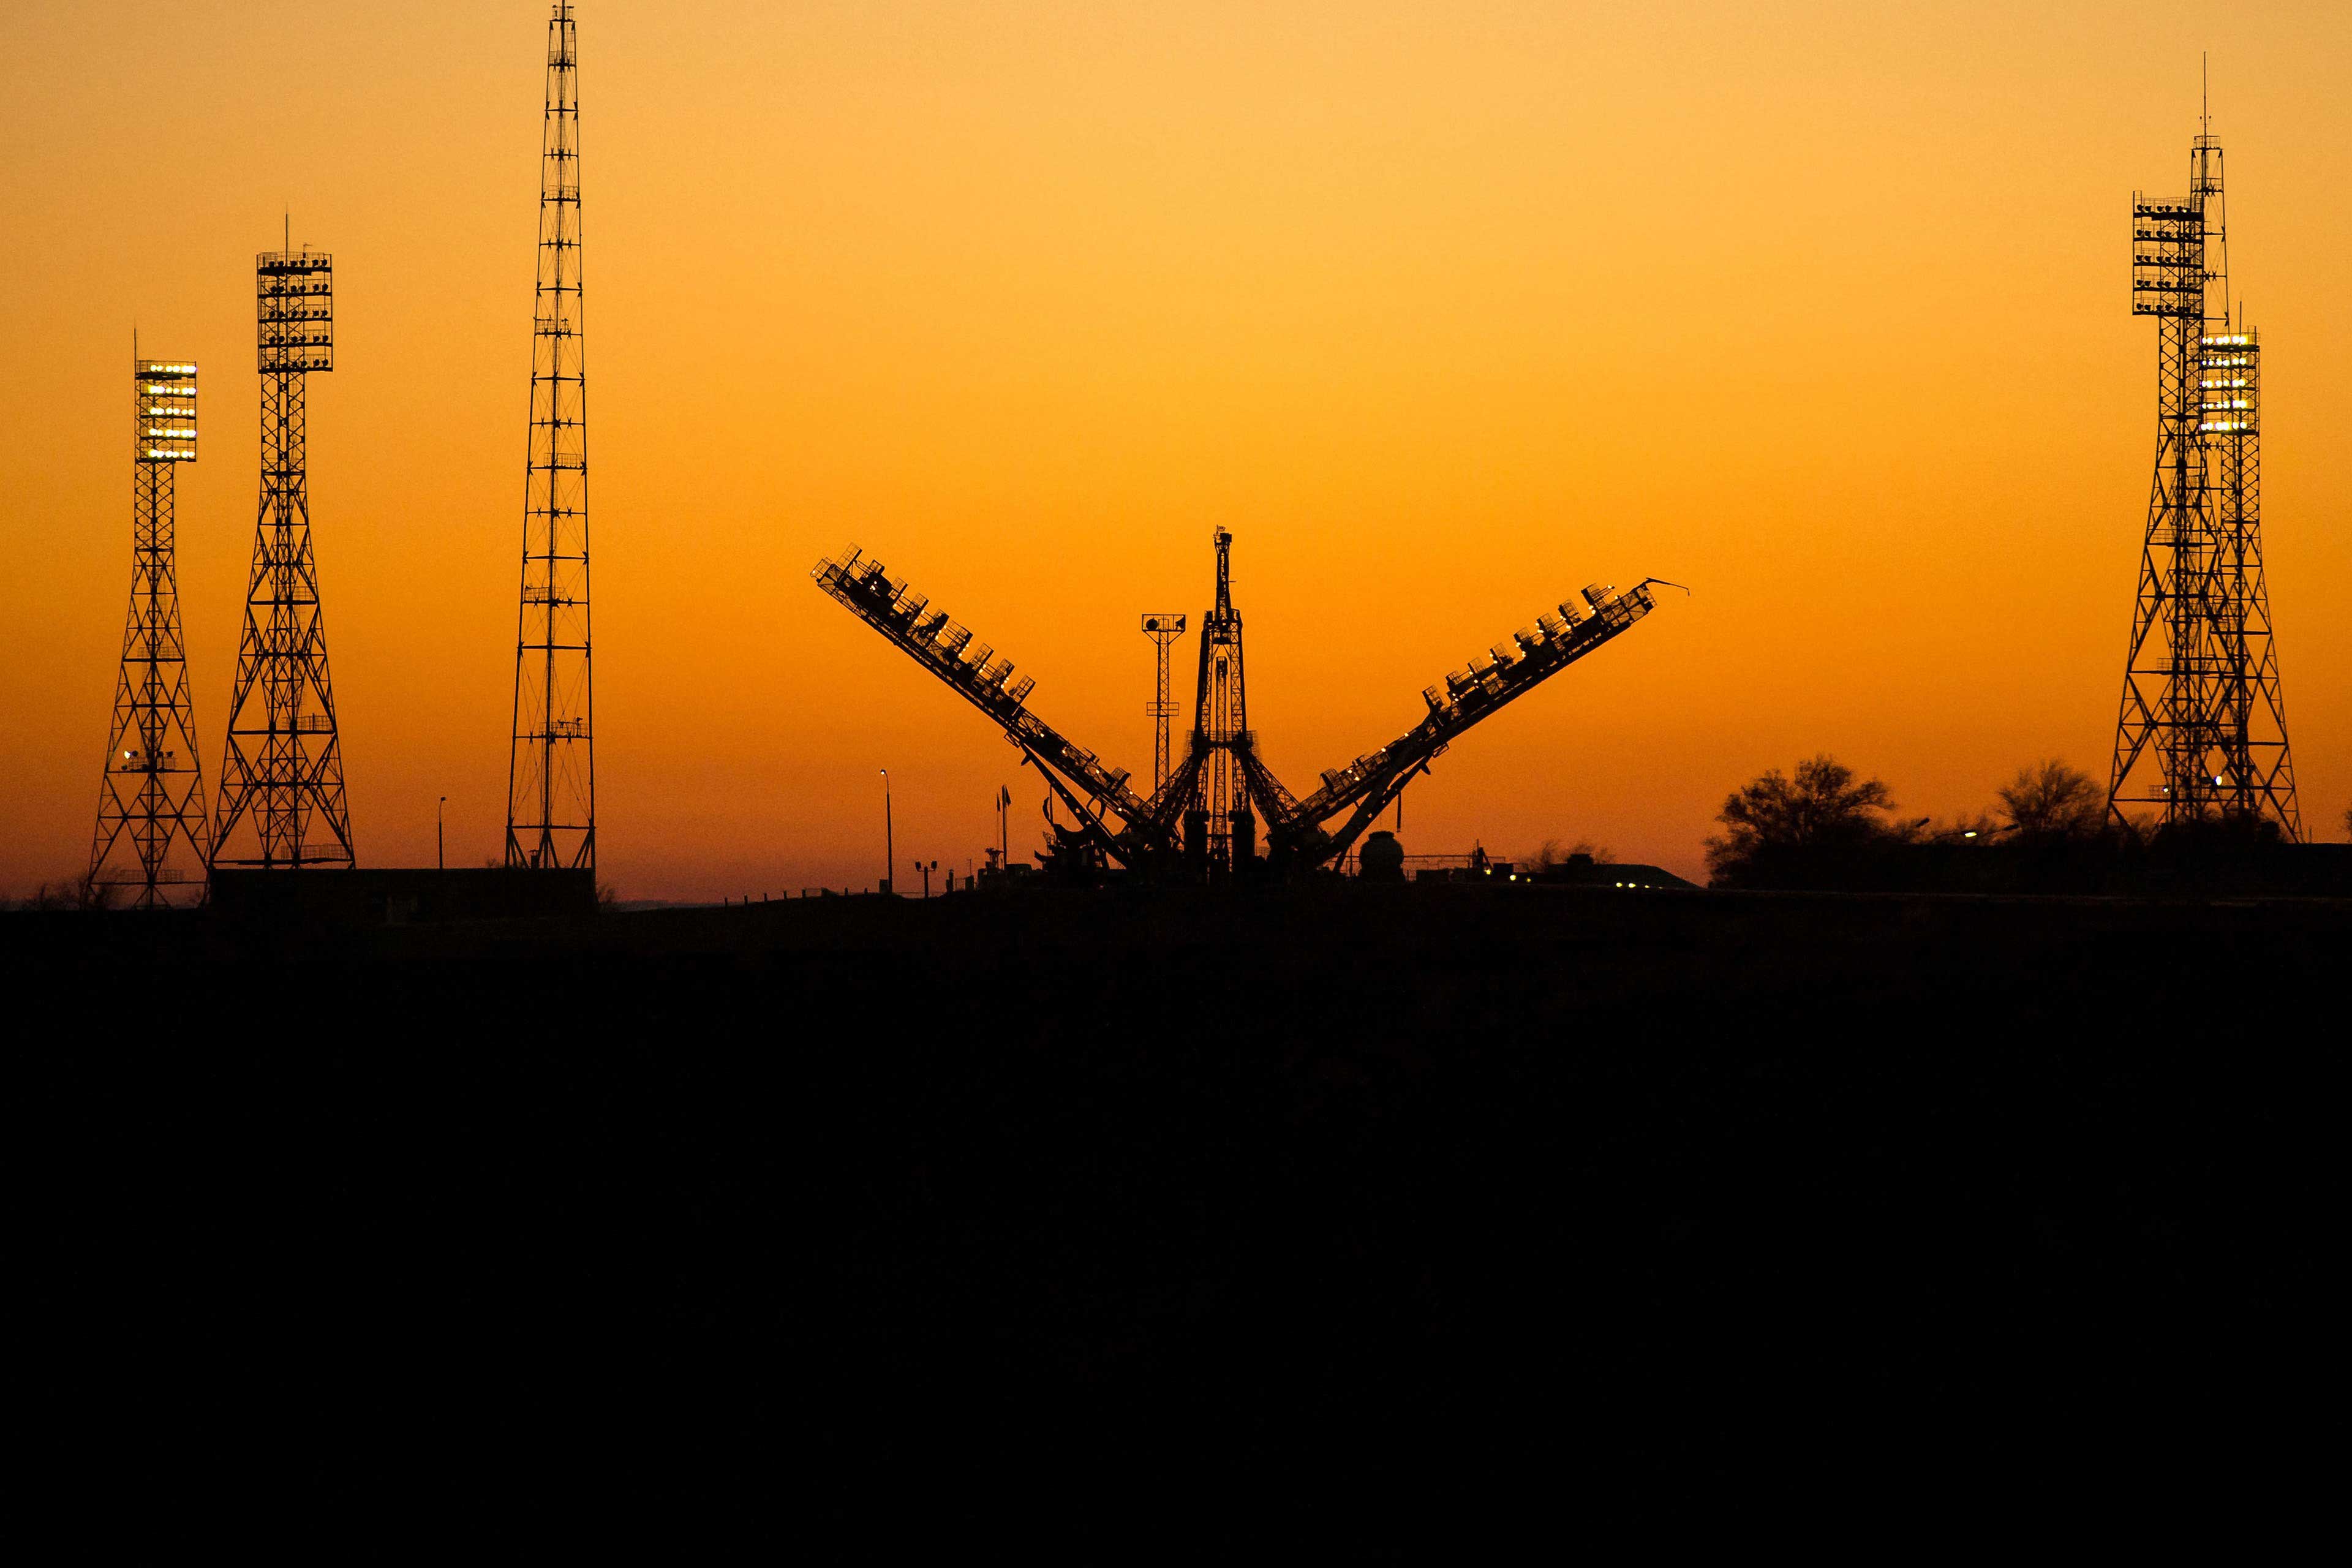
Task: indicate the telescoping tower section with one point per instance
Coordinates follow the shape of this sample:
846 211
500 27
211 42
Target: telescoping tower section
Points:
551 769
282 790
1220 814
2201 734
153 837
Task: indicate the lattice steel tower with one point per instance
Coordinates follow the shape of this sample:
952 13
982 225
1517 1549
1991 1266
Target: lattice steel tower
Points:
551 770
281 792
153 836
1220 826
2203 727
1164 629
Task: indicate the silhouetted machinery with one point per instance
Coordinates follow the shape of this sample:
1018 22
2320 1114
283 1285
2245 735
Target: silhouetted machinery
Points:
1220 812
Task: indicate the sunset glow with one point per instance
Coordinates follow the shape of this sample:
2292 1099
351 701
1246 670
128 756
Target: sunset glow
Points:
1443 310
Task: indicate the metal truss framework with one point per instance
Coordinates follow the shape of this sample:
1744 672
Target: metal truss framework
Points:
1173 831
1220 832
281 795
153 836
1163 627
2201 731
551 768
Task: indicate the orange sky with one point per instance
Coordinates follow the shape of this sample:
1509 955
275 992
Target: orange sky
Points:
1444 309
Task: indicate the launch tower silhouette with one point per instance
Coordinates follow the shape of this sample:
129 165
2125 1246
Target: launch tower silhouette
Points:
1201 821
1218 823
551 768
281 788
2201 733
153 837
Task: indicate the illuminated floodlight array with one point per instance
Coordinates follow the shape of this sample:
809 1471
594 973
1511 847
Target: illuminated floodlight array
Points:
153 836
165 406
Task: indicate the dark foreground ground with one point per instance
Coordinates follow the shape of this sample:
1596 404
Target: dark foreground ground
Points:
1389 1195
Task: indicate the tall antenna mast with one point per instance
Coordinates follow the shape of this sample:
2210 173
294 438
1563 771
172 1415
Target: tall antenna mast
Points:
282 801
551 769
153 837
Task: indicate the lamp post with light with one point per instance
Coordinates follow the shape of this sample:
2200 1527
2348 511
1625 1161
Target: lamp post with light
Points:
888 848
440 839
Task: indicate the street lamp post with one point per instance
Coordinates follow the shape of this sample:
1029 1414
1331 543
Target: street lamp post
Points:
889 852
440 839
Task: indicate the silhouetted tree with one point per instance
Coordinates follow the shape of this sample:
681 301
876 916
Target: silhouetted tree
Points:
1551 854
2347 822
81 892
1779 831
2050 800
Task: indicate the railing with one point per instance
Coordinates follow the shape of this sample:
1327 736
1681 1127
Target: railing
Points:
1491 680
973 668
1352 864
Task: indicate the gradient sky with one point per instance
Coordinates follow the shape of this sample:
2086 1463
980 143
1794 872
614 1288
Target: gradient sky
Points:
1444 309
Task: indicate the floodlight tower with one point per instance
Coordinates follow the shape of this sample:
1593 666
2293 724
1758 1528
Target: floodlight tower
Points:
281 793
1164 629
153 836
2202 729
551 767
2257 771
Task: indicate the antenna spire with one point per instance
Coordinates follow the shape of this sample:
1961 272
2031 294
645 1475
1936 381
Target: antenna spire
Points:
551 763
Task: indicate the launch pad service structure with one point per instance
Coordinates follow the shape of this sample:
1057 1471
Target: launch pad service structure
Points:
1218 813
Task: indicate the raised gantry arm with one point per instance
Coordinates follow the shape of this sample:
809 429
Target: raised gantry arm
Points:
982 678
1296 833
1509 671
